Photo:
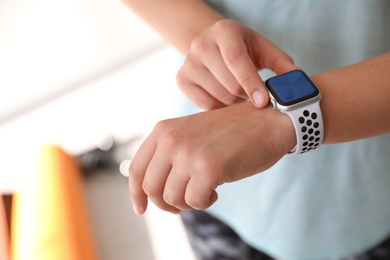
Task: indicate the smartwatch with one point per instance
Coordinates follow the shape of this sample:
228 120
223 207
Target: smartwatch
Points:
294 94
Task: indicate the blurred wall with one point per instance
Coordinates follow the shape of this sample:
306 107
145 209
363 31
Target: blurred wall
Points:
48 47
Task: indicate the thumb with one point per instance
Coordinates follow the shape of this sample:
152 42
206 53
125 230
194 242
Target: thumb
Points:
280 66
213 197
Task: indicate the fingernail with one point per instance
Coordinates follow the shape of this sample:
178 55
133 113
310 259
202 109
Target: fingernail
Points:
137 210
258 98
176 212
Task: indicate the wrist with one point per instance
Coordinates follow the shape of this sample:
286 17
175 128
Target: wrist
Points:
285 130
278 126
294 94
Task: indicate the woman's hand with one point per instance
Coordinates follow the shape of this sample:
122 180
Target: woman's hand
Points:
222 66
183 160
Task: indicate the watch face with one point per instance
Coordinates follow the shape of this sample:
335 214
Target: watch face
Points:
291 88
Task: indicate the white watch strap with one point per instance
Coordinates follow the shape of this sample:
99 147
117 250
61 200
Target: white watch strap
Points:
309 127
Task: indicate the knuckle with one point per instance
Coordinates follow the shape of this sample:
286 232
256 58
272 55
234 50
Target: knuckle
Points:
146 187
289 58
171 136
183 76
162 126
184 85
234 87
134 174
188 65
168 198
180 78
210 169
232 55
276 62
187 154
199 45
171 199
210 104
223 25
171 139
246 79
196 203
151 192
206 166
230 99
174 143
205 170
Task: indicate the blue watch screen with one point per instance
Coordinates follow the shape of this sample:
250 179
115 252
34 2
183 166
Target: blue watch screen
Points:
292 87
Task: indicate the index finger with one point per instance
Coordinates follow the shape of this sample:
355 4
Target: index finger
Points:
137 171
237 59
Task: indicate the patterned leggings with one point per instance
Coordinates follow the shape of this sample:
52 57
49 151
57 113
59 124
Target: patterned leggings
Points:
213 240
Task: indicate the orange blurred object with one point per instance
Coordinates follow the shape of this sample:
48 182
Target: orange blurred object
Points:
4 233
49 216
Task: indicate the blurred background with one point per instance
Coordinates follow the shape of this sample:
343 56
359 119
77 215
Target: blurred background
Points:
71 73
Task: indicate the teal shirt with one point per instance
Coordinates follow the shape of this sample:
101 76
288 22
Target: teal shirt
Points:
333 202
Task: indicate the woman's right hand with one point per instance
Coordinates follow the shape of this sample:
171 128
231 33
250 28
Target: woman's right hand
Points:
222 65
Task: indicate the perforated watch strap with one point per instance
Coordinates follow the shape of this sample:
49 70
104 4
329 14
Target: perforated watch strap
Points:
309 128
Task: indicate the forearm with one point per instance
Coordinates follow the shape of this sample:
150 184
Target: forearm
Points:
356 100
178 21
232 143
